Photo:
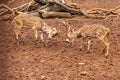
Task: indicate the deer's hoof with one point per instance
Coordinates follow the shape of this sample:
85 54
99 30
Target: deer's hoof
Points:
45 45
104 50
88 51
106 55
17 43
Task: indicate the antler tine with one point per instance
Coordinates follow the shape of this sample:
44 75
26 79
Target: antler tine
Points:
66 25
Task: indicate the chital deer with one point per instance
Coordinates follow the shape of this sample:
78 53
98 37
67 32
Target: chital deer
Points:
24 20
89 31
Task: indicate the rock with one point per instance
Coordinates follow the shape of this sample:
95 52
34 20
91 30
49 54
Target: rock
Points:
83 73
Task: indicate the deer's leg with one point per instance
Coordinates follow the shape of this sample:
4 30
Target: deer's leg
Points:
106 42
41 36
36 37
17 39
82 43
17 29
17 32
89 44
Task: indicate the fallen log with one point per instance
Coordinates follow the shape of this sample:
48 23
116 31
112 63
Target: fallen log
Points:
35 14
46 14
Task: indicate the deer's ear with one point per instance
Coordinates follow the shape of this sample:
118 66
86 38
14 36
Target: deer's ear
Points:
72 30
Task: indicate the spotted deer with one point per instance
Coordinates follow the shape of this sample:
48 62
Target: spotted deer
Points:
89 31
27 21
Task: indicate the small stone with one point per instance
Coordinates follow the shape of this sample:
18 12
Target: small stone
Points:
42 77
81 63
23 68
42 61
83 73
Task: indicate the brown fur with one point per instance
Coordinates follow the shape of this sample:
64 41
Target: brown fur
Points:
91 31
24 20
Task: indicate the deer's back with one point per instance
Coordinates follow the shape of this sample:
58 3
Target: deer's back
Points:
26 21
93 30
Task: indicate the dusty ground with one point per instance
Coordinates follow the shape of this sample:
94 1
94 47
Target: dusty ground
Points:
59 61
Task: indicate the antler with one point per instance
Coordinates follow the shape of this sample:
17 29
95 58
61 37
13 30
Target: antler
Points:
67 26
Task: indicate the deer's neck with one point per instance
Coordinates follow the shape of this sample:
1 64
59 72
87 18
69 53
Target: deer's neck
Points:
47 29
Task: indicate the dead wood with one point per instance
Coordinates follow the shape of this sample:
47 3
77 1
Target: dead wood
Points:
0 5
24 6
90 15
115 9
99 11
68 9
63 7
45 6
7 7
2 9
5 17
41 1
35 14
54 8
46 14
3 12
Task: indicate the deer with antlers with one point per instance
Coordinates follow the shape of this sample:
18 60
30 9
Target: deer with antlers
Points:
24 20
89 31
27 21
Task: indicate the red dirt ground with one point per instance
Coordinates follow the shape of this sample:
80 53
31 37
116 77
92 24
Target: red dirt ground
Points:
59 61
